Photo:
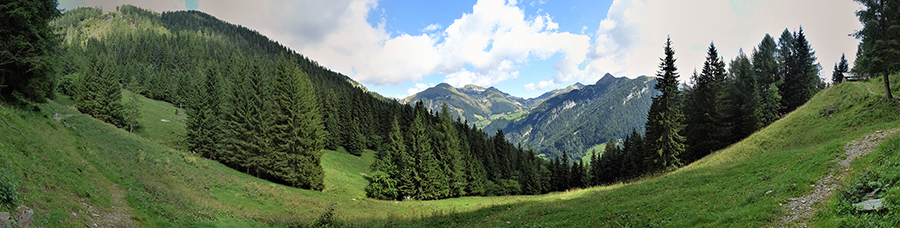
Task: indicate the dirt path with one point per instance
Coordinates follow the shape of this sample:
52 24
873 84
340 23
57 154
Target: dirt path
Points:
800 209
116 216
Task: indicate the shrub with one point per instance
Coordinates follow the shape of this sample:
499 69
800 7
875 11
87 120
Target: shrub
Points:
8 186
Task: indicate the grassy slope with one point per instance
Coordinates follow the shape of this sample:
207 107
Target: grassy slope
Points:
59 165
740 186
62 164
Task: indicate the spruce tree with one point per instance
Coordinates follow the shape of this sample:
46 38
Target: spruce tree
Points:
879 49
840 69
746 96
765 68
98 92
355 143
199 116
707 109
298 132
610 163
452 156
596 171
384 171
665 121
28 49
430 184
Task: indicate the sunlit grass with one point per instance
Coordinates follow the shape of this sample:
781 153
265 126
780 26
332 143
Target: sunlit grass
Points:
78 159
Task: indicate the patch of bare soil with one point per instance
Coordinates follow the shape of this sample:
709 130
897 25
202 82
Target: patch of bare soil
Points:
801 208
117 216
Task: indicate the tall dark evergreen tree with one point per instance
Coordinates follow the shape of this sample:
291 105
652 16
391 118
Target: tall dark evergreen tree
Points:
879 51
452 156
98 92
765 69
431 183
200 119
385 171
707 110
356 142
28 49
298 132
665 121
840 70
596 170
745 93
799 70
610 163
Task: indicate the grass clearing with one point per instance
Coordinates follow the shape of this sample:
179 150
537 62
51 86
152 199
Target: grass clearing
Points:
61 164
597 149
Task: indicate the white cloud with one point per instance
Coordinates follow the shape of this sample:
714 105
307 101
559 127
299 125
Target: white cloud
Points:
504 71
630 40
432 27
419 88
494 40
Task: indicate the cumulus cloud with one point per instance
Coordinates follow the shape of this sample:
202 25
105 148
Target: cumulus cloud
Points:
630 40
419 88
493 40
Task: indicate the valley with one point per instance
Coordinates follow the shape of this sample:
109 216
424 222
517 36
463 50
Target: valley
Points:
129 117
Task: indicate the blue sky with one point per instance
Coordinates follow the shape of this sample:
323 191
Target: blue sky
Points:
527 47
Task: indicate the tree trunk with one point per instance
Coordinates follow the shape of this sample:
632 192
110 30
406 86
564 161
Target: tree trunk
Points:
887 73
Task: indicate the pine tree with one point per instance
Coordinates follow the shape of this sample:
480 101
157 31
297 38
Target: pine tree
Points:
879 49
665 121
707 110
430 184
384 171
408 177
596 169
355 143
746 96
452 156
98 92
220 103
610 163
565 172
799 70
199 116
28 49
840 69
298 132
765 68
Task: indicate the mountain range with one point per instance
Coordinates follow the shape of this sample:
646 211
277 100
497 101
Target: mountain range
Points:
572 119
478 105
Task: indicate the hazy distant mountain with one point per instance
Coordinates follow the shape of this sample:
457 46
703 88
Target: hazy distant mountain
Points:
479 105
578 119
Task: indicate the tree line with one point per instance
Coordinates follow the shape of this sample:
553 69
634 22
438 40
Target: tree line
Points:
262 109
720 106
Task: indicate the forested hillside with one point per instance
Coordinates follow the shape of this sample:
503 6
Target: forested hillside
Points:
260 108
577 120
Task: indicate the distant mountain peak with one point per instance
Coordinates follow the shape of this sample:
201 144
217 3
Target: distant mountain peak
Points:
606 78
443 85
473 87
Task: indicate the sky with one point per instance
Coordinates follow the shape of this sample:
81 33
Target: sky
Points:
522 47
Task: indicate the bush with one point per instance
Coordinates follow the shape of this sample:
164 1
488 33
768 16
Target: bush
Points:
382 186
8 186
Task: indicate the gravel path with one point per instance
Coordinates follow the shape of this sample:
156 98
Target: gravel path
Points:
800 209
